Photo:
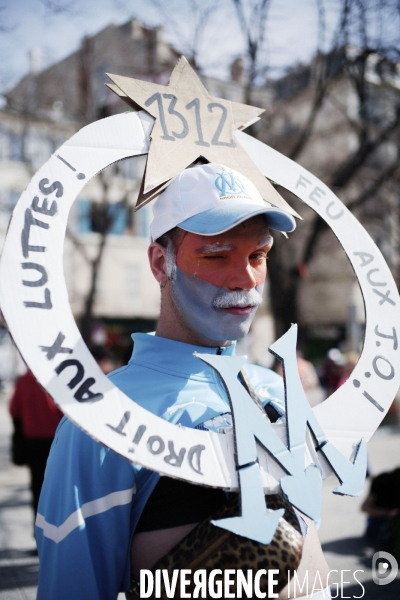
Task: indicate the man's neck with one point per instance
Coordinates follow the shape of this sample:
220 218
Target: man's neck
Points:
187 337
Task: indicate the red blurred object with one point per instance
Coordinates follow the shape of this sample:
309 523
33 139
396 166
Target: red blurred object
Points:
35 409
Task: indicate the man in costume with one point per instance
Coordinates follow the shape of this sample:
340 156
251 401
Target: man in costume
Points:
101 519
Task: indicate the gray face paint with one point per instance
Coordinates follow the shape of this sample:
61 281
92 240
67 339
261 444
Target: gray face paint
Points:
201 305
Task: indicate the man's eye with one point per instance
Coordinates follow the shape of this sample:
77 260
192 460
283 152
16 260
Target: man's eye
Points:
258 256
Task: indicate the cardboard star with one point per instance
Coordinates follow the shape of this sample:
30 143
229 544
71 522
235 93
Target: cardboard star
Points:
189 123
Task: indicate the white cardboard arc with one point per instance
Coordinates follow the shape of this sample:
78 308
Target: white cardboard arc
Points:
209 457
355 410
79 159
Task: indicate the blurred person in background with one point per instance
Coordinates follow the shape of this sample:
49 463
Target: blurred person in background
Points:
308 376
382 505
105 358
35 419
348 367
332 371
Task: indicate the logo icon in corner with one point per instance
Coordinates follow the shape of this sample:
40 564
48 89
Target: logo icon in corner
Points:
384 568
227 182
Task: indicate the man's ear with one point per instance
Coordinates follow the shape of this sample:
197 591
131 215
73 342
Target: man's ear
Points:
158 262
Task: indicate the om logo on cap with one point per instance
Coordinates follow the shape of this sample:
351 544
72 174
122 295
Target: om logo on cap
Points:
227 182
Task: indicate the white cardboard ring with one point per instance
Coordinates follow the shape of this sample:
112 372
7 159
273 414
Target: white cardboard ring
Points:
346 416
350 413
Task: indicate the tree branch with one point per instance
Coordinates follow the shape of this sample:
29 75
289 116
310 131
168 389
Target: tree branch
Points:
374 188
78 245
320 225
319 97
347 171
58 8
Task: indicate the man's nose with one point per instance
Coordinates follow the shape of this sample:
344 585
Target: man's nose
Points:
242 278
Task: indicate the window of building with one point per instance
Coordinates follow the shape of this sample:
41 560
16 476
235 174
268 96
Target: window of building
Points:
16 147
8 200
84 225
38 148
99 217
13 198
3 145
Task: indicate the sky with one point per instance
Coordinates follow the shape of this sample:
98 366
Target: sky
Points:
25 25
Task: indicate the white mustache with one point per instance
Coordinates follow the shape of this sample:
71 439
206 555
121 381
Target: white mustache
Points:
237 298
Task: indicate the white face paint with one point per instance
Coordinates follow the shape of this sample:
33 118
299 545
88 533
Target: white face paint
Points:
170 259
201 305
238 298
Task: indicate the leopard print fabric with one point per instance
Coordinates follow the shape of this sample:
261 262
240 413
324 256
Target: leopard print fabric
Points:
210 547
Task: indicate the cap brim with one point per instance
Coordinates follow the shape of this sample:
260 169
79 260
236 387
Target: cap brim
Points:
222 218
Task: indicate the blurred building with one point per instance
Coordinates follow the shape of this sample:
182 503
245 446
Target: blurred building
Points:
47 106
361 98
45 109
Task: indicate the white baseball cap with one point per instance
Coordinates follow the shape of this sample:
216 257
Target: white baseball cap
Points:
210 199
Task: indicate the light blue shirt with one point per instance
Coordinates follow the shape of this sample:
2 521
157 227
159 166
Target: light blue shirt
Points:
92 498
